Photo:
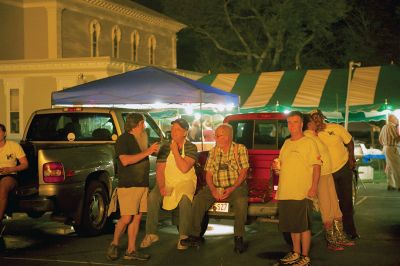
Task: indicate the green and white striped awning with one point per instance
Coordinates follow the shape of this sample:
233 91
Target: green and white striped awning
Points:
371 89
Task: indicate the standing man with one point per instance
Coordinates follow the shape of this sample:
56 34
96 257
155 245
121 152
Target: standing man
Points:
300 168
341 150
10 153
133 172
389 138
226 170
176 183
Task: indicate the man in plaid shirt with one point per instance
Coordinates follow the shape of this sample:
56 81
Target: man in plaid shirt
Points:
226 170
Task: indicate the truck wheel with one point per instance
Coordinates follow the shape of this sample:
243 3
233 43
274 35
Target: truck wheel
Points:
94 216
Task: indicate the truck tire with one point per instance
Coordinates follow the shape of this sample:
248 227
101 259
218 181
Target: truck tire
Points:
94 215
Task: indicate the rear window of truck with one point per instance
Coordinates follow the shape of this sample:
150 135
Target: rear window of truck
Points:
85 126
260 134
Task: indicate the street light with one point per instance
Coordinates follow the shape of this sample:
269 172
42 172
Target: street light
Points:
351 66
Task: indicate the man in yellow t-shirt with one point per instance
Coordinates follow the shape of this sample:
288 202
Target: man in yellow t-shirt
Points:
10 153
300 167
341 150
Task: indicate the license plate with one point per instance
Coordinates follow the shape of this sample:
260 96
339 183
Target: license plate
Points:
220 207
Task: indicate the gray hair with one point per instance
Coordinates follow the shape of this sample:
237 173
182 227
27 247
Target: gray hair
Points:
296 113
132 120
226 126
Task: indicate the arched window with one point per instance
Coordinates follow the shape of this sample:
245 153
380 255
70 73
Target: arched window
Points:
152 50
94 30
116 39
134 45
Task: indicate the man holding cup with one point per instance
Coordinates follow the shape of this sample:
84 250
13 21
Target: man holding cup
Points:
176 183
299 168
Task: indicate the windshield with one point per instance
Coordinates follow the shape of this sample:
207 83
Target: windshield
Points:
57 126
260 134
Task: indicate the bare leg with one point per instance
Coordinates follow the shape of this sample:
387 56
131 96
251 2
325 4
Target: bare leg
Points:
120 228
296 242
133 230
305 242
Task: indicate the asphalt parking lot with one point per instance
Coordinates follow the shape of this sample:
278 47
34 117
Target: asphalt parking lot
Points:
44 242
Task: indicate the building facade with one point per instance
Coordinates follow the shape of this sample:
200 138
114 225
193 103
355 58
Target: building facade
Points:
49 45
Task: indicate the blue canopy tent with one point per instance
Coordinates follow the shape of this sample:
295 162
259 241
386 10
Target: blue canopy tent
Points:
146 86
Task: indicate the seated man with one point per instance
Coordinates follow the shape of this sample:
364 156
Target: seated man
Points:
10 152
176 183
226 170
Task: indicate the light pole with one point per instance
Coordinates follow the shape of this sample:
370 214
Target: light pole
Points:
346 116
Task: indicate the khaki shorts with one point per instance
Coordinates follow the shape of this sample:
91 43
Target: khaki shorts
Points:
132 200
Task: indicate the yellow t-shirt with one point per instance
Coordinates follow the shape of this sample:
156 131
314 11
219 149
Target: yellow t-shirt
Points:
326 167
9 154
297 161
334 136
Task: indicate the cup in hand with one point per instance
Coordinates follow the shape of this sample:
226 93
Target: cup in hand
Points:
276 165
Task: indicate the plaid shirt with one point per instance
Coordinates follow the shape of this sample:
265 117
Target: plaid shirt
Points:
224 166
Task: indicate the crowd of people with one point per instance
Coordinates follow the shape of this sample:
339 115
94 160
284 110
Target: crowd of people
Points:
316 161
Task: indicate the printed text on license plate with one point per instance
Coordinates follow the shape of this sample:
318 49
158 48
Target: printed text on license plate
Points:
220 207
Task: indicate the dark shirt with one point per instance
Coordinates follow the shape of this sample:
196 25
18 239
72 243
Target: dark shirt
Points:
133 175
190 151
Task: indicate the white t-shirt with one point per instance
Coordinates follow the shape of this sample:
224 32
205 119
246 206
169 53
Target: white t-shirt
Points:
9 154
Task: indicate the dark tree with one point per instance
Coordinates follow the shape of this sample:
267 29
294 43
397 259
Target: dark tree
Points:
264 35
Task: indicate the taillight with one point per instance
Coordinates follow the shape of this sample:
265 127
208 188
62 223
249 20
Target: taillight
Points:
72 109
53 172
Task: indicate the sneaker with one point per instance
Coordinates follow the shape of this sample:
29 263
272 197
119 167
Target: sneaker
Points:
191 241
148 240
135 255
179 245
302 261
112 252
290 258
335 246
344 241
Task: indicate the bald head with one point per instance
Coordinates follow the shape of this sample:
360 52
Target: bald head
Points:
224 129
393 119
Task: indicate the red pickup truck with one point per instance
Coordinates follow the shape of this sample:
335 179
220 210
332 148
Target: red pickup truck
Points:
263 134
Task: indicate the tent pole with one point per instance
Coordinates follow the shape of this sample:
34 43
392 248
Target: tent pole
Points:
201 120
346 115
